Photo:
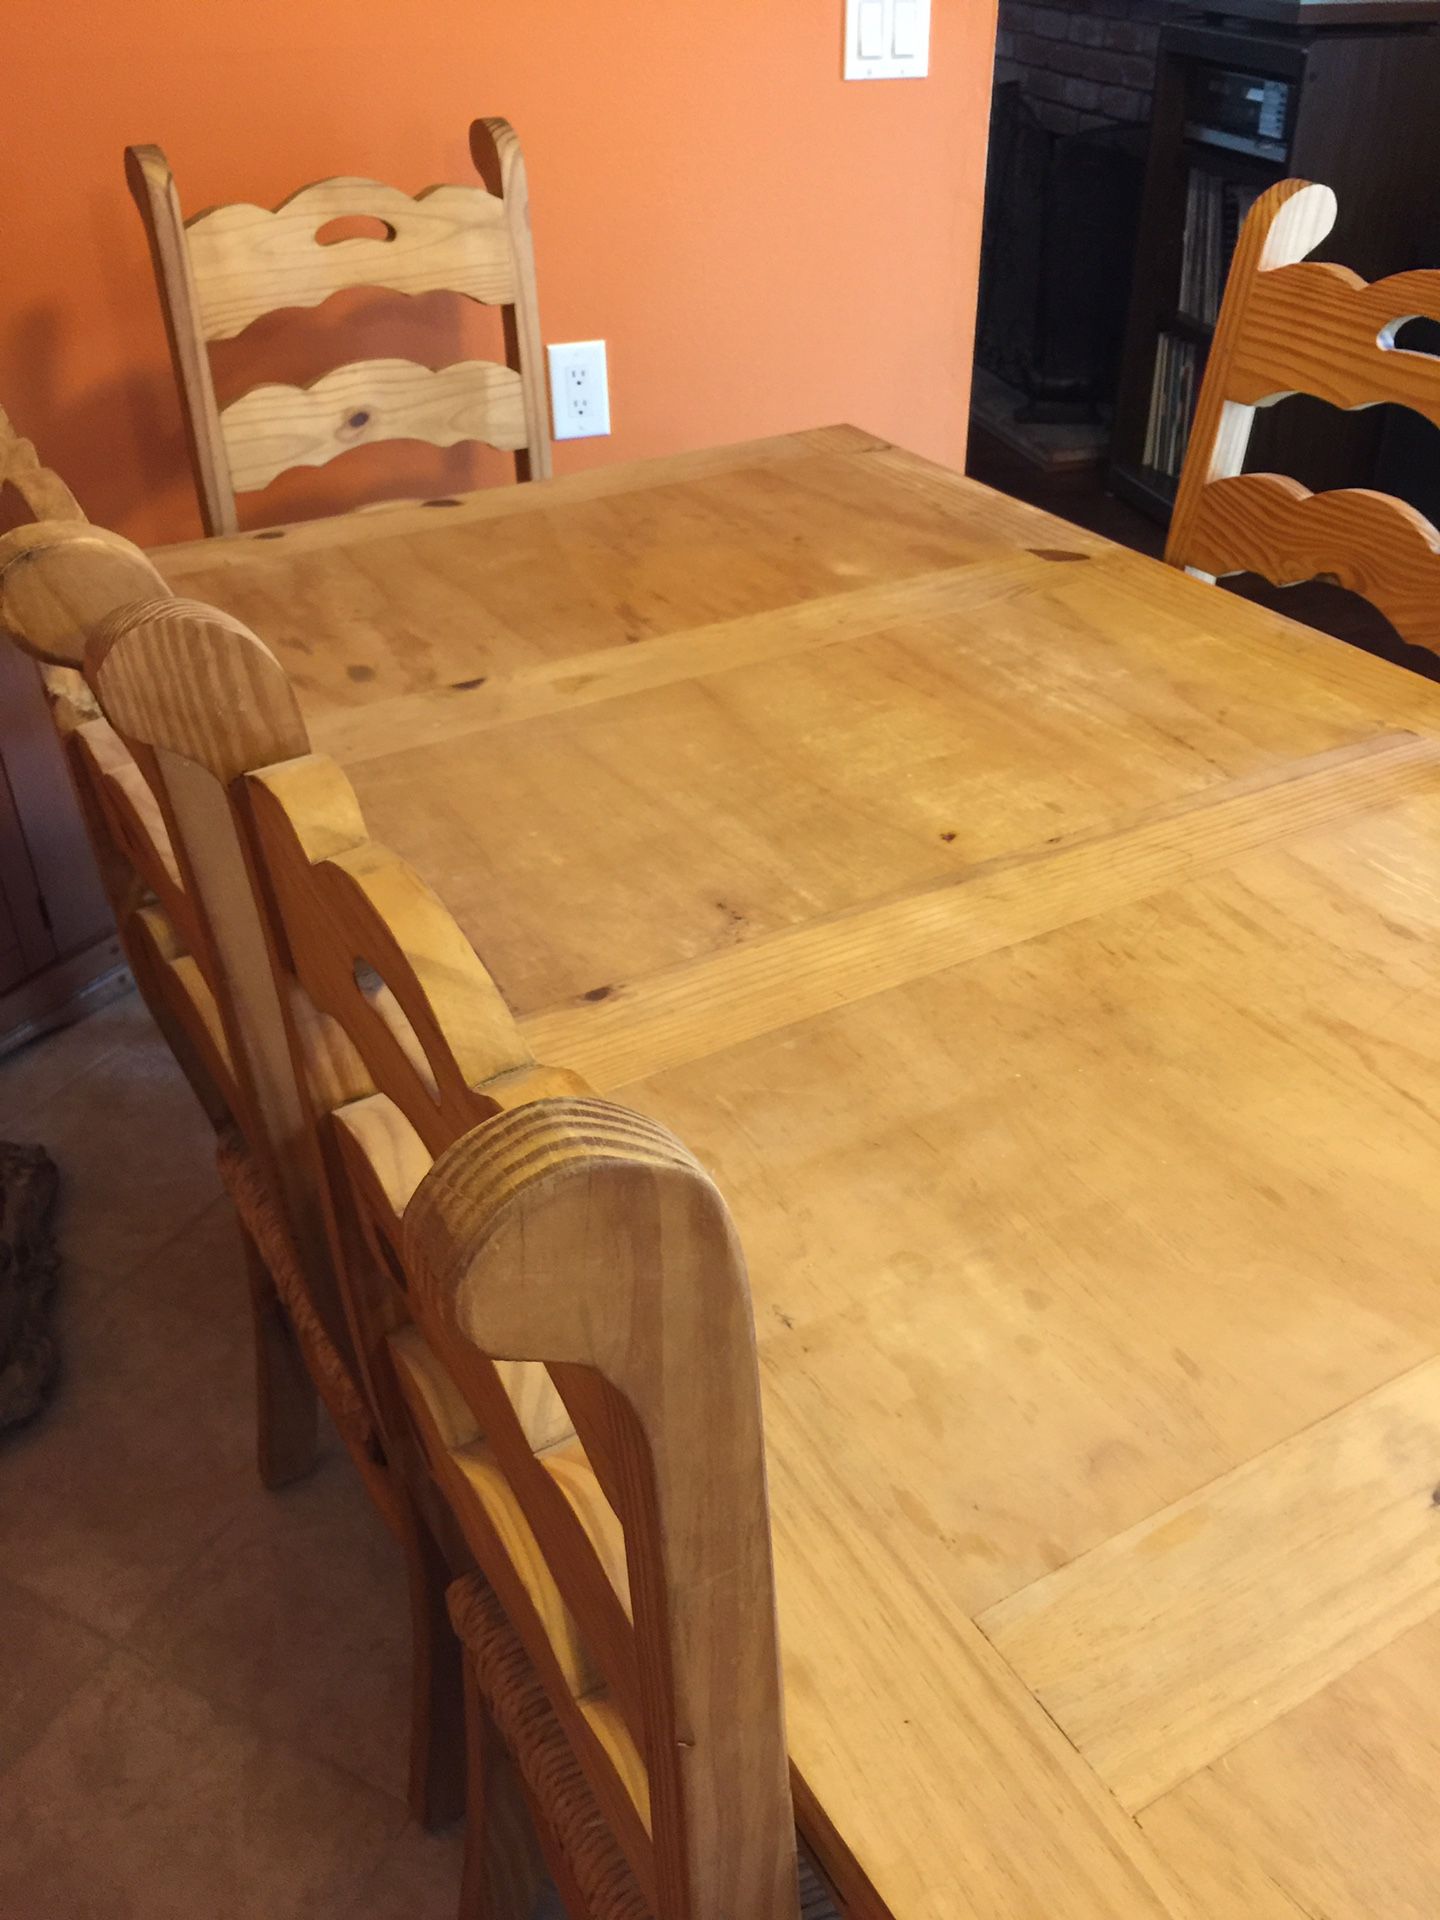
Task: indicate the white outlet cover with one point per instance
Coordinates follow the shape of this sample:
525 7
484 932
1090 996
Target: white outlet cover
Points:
887 39
579 389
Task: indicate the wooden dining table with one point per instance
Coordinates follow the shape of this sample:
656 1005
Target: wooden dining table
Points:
1040 948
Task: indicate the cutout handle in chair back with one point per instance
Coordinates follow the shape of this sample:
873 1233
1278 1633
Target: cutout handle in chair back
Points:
1291 325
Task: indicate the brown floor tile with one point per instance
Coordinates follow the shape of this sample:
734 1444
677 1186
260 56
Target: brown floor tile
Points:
295 1616
201 1271
142 1802
136 1154
418 1879
39 1071
147 1448
44 1657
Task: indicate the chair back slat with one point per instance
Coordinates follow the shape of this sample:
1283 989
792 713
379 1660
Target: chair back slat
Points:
1320 329
228 267
271 429
249 261
1291 325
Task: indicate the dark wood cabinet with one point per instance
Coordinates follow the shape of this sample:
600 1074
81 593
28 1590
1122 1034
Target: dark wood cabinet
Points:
1355 107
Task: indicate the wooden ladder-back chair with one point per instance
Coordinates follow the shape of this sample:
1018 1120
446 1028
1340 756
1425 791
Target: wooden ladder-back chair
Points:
554 1312
227 267
188 929
1292 325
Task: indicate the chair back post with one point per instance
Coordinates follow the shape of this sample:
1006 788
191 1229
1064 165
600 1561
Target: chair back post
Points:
1287 222
60 578
44 494
152 186
574 1233
199 699
500 161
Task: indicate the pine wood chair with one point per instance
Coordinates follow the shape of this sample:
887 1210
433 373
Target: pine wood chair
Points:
1291 325
553 1314
204 975
227 267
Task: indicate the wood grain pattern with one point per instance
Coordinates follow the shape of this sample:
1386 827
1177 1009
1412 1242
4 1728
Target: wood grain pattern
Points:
59 578
645 1639
1288 325
1330 1810
370 731
190 698
1315 327
1109 1191
1376 546
1175 1641
250 260
499 160
157 199
198 708
229 266
271 429
574 1232
377 951
643 1027
1286 222
194 560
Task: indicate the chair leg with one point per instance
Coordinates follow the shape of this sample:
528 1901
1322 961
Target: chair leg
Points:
438 1774
503 1871
286 1436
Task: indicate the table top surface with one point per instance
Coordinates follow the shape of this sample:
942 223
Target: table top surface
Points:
1038 946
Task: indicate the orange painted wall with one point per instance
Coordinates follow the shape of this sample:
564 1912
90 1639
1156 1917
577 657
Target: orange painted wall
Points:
763 246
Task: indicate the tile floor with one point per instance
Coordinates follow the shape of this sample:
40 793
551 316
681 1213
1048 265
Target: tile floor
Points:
202 1684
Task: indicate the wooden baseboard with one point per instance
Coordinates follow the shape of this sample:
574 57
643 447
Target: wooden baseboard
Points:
62 992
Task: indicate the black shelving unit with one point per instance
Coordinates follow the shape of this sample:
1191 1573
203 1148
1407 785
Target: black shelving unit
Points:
1357 107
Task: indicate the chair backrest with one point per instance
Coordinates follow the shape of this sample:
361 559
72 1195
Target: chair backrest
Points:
179 891
227 267
1292 325
556 1308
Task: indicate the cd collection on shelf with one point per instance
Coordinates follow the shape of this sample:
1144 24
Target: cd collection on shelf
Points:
1172 403
1215 210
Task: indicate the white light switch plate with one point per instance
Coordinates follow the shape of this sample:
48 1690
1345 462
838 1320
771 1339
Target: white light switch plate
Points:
579 389
887 39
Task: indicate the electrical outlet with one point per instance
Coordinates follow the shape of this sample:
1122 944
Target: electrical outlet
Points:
579 389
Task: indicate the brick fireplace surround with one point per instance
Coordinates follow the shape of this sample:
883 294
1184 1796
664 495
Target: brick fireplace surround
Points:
1082 64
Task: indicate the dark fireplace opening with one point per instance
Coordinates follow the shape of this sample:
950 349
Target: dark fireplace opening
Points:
1061 214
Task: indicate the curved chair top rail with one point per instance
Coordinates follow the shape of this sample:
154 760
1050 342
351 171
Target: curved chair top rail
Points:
1292 325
